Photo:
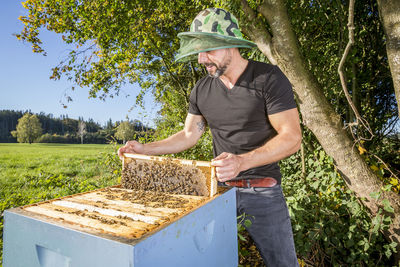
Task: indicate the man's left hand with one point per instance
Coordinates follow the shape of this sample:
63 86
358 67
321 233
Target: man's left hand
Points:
227 166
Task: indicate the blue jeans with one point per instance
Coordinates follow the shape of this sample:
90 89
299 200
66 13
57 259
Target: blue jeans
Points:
271 228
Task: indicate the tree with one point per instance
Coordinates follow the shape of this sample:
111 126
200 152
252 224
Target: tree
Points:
118 42
81 130
125 131
390 16
28 129
8 123
70 125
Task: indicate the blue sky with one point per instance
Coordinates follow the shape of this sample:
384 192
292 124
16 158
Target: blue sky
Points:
25 83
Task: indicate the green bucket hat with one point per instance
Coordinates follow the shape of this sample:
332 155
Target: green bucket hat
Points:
212 29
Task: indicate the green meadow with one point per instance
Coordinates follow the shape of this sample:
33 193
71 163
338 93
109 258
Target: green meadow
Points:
31 173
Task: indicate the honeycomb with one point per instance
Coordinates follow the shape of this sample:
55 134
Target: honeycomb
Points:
164 176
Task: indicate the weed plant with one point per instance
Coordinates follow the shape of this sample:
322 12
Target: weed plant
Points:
330 225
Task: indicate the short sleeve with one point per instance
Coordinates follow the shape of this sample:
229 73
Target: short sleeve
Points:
193 108
278 93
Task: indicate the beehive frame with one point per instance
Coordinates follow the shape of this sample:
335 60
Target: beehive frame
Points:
113 217
204 166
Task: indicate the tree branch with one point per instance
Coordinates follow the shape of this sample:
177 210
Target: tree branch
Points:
174 77
387 167
346 52
195 74
285 43
257 33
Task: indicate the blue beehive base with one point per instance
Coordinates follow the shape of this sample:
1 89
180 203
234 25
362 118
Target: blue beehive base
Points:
207 236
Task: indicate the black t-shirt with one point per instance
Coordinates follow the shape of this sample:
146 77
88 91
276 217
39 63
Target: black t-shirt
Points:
238 117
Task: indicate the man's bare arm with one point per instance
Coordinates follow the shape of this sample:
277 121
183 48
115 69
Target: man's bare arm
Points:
194 127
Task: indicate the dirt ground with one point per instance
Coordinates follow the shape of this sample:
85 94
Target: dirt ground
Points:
251 257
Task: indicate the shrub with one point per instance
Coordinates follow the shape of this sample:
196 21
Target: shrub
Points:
331 227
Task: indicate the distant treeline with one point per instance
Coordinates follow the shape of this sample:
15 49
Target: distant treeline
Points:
62 129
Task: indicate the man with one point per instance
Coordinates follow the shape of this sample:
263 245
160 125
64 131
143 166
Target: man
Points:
250 109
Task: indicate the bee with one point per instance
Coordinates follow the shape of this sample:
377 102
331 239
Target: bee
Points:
163 176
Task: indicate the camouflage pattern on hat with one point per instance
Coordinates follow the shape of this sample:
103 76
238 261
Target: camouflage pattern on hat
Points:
216 20
212 29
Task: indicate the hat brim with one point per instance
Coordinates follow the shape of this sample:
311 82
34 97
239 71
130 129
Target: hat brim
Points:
193 43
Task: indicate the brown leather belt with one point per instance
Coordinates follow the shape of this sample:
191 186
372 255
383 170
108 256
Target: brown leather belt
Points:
257 182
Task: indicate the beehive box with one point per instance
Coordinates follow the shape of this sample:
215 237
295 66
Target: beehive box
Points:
121 227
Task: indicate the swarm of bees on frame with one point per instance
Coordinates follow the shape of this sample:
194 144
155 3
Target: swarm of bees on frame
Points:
147 198
164 176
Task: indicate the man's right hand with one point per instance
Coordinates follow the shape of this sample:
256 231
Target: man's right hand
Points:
131 147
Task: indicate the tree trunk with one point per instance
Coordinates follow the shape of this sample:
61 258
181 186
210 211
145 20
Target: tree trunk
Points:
389 12
317 113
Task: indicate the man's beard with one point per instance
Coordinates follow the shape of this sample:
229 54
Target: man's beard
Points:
219 70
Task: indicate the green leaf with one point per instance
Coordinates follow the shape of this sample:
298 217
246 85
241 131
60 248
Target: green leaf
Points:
241 237
375 195
387 188
247 223
386 206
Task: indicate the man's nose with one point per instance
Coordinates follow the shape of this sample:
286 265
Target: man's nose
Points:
202 58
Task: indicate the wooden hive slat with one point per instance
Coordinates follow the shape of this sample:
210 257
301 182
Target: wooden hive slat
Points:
91 211
131 229
122 205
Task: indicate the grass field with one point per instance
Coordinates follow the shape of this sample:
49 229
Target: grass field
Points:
31 173
22 160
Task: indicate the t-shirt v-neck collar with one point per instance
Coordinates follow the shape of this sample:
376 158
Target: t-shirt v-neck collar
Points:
238 81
